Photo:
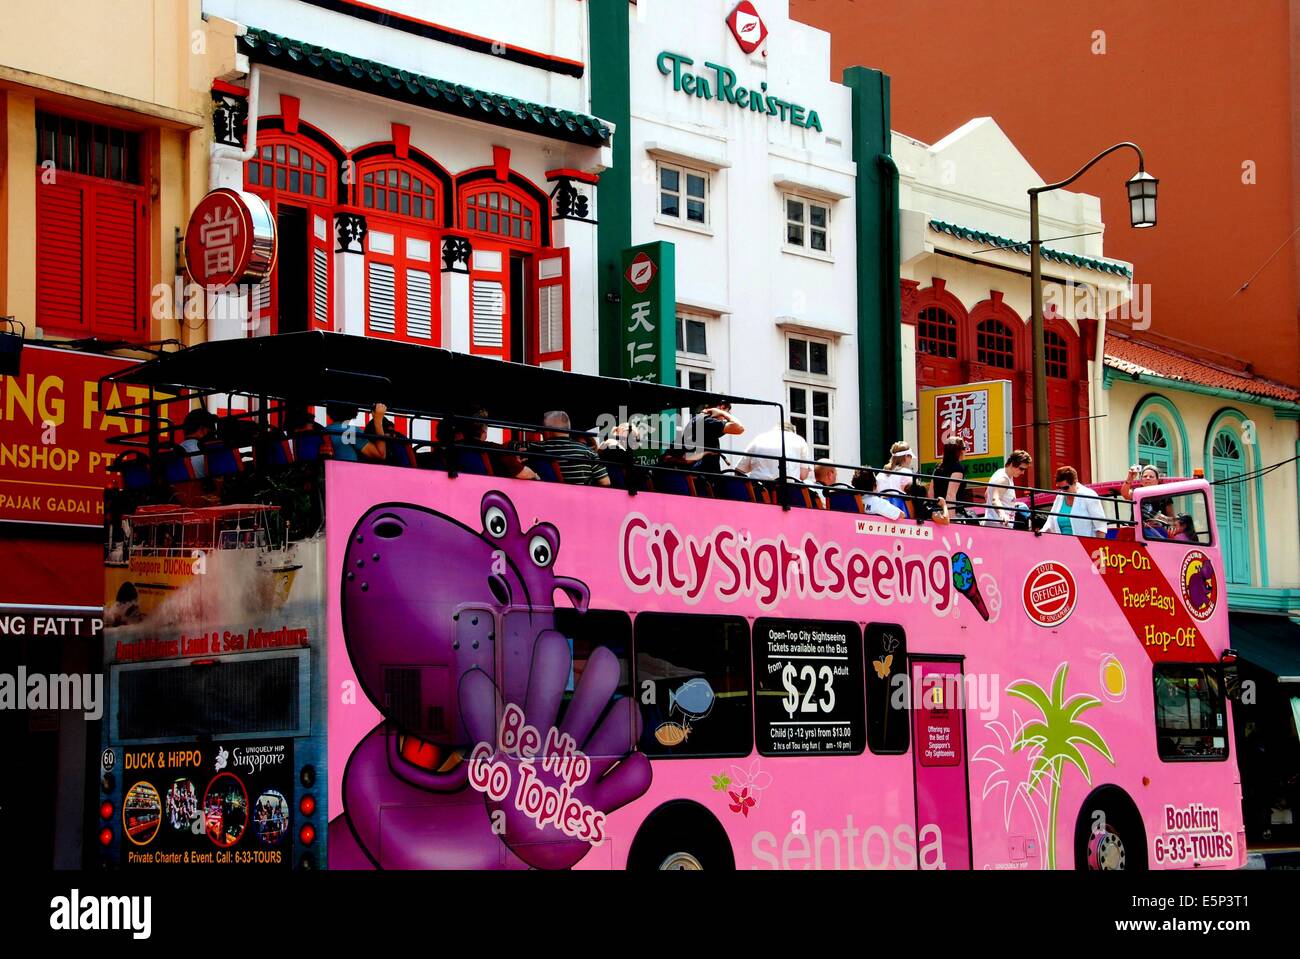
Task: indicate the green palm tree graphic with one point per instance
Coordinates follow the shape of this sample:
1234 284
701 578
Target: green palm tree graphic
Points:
1055 737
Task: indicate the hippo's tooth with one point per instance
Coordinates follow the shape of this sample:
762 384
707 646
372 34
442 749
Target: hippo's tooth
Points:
452 761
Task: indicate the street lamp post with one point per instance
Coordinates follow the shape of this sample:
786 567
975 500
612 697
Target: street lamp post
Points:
1142 213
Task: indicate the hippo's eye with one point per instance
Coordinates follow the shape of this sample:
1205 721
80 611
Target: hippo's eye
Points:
539 551
388 529
494 522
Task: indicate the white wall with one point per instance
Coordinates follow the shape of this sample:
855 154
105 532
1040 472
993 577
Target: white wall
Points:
554 27
737 267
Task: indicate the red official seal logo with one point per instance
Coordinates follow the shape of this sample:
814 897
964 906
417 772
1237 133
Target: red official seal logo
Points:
1050 593
641 272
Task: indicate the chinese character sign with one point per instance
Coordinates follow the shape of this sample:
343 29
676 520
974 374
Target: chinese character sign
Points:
978 413
648 297
230 239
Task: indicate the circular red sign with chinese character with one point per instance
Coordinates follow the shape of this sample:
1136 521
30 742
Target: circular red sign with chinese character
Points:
1050 593
230 239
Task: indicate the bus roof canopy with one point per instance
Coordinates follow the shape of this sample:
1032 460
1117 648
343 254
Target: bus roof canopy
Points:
318 367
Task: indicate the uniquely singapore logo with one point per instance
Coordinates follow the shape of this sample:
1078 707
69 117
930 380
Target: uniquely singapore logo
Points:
1199 584
1050 593
658 558
255 758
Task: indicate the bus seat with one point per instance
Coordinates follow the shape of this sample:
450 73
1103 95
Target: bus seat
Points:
311 446
178 468
473 462
899 501
133 467
617 475
678 484
547 470
800 496
739 489
223 461
843 501
271 452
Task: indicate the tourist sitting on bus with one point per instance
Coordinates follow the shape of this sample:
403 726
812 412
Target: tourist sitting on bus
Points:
899 472
1184 529
1075 512
1001 510
762 459
577 462
864 480
471 431
350 444
1157 511
921 507
200 429
703 436
950 474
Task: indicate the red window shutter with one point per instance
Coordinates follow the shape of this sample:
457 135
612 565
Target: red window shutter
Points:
320 269
551 337
115 261
60 236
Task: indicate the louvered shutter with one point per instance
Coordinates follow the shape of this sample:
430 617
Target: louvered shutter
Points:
551 337
419 304
487 319
381 304
60 234
115 261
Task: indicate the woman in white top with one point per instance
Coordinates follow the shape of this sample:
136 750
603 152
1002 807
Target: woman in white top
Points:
1002 489
896 475
1075 512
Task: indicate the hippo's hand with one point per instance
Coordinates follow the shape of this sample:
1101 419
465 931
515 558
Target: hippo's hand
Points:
543 817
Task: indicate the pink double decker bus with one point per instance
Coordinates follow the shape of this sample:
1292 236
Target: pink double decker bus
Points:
471 670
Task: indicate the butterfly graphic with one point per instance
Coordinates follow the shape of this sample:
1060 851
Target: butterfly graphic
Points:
721 781
742 803
883 665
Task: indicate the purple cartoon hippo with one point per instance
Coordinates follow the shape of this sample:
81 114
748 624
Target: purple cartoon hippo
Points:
445 625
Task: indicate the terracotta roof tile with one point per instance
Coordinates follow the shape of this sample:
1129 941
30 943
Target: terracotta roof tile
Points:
1138 358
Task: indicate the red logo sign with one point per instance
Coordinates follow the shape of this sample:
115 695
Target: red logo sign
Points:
641 272
747 26
1050 593
230 239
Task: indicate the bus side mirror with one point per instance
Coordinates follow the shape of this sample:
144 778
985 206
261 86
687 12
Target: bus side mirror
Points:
1231 676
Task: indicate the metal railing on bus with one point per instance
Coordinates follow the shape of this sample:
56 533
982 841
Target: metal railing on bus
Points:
677 467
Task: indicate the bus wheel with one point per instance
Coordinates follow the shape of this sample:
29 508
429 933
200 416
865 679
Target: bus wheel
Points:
1109 835
680 835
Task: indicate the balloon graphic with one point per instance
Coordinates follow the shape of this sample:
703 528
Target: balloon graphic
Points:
963 577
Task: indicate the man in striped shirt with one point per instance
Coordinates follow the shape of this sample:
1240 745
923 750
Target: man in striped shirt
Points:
578 462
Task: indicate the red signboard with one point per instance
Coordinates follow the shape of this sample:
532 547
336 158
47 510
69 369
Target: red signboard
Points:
53 436
230 239
747 26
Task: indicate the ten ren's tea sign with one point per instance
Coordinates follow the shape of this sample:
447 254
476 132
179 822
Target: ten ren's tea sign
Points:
230 239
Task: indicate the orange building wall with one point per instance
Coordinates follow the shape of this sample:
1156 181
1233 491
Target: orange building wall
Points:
1201 85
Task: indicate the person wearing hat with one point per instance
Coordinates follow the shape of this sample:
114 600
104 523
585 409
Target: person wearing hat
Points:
896 475
200 429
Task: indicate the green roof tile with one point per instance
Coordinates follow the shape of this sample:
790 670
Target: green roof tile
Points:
367 75
1022 246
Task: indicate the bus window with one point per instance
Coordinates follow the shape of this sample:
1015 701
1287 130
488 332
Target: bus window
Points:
586 633
238 695
1177 519
692 681
1190 720
887 717
808 688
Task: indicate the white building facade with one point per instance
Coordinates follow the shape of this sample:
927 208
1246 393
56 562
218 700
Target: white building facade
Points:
741 156
431 167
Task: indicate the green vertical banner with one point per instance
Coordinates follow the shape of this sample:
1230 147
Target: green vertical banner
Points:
648 313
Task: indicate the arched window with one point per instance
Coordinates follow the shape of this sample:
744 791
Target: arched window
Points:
297 175
404 204
287 165
1056 355
936 333
503 211
995 345
1153 446
1227 468
392 188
